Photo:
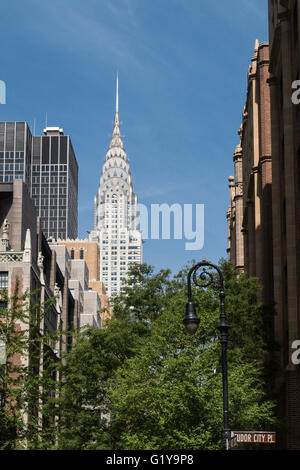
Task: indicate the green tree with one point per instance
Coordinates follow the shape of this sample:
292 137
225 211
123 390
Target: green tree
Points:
144 383
98 354
28 369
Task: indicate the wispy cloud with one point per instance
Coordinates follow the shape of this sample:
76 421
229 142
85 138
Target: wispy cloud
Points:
231 11
97 32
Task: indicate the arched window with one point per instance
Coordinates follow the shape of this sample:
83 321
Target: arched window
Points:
81 253
72 253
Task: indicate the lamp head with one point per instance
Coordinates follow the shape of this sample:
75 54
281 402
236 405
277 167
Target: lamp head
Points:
191 320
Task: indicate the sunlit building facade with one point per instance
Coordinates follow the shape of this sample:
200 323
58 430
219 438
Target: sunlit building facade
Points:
116 224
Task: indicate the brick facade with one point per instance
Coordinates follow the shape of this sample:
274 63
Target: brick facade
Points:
249 215
89 251
284 33
270 145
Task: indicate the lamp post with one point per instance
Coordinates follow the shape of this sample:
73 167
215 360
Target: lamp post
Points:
191 321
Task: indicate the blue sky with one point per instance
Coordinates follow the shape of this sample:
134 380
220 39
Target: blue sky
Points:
182 68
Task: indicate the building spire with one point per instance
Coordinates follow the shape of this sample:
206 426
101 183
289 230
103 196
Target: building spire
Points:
116 140
117 95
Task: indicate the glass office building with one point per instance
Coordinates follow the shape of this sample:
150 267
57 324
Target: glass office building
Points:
15 152
48 166
54 183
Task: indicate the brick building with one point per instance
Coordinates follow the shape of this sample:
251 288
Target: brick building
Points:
284 38
269 154
47 272
89 304
89 252
25 254
250 213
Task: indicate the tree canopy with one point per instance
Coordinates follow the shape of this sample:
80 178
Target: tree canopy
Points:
28 368
143 383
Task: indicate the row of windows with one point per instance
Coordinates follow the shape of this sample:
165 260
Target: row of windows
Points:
114 251
53 213
115 258
11 155
45 224
115 272
50 202
45 191
10 178
122 240
122 236
123 266
39 168
49 179
12 166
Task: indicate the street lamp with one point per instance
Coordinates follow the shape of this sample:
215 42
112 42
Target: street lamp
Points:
191 322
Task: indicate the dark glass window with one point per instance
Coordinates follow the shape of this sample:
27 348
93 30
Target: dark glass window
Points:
63 149
54 150
45 149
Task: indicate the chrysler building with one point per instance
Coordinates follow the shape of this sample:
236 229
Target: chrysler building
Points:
116 214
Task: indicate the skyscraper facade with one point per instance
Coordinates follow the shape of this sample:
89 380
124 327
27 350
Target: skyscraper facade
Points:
48 166
116 225
54 183
15 152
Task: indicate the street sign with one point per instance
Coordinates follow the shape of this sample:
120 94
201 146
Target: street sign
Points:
252 437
